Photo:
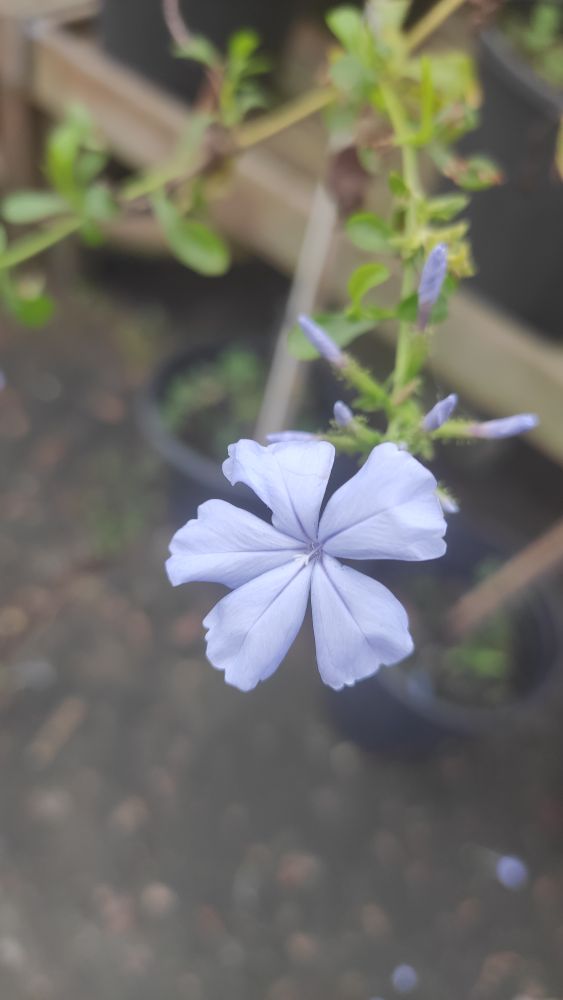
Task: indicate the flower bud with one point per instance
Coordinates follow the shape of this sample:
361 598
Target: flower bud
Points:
431 281
506 426
439 413
322 342
342 414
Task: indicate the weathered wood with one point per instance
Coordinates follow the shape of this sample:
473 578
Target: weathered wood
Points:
540 558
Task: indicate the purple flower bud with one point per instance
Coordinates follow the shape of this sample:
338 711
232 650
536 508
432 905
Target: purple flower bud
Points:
506 426
280 436
431 281
439 413
342 414
322 342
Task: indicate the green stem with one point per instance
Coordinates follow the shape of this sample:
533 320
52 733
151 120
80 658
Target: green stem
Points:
400 124
36 243
455 430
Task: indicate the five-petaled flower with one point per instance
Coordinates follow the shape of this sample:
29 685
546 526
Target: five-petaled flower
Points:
388 510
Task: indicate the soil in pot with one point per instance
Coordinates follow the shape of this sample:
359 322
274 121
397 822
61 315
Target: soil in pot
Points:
448 690
516 230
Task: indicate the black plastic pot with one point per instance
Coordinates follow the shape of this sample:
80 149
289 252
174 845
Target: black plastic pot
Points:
517 228
397 712
135 32
194 476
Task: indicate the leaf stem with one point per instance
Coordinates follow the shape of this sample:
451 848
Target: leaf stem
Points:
35 243
431 21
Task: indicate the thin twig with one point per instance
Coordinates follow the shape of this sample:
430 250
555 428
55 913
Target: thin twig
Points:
286 373
431 21
175 23
537 560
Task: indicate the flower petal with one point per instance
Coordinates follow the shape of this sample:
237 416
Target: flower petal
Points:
359 625
290 478
227 545
388 510
251 629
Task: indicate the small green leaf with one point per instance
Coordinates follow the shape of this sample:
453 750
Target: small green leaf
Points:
243 44
24 207
369 232
445 207
474 174
200 50
365 278
25 303
89 165
192 242
99 203
341 328
407 310
63 149
347 73
347 26
397 185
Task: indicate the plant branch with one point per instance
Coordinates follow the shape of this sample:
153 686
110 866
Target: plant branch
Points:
254 132
175 23
431 21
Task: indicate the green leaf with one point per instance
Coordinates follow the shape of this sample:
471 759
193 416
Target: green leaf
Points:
369 232
243 44
347 73
474 174
407 310
341 328
89 165
99 203
30 307
347 26
365 278
24 207
63 149
199 49
397 185
192 242
445 207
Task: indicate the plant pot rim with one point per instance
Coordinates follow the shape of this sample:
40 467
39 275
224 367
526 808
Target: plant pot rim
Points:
185 459
513 68
473 719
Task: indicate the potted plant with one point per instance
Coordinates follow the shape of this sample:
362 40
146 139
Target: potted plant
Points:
520 60
384 100
203 397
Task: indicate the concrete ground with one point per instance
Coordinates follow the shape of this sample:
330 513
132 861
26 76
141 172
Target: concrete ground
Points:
164 836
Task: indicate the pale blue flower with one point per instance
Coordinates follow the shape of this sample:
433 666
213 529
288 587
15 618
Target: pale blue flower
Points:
322 342
505 427
279 436
431 281
439 413
388 510
343 415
